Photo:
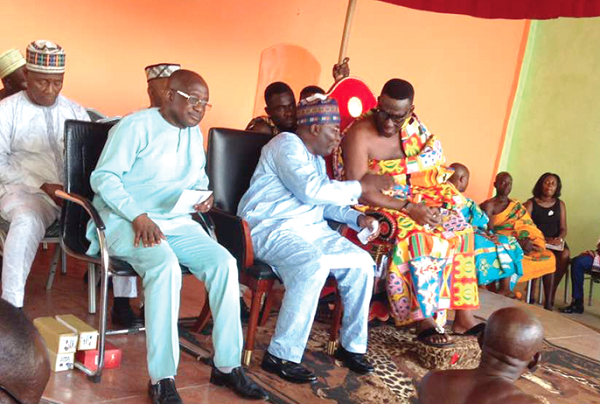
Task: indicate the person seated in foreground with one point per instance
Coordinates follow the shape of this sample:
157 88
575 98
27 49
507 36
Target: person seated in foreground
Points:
509 217
549 213
431 266
150 158
496 257
12 73
24 365
510 346
280 108
289 199
586 262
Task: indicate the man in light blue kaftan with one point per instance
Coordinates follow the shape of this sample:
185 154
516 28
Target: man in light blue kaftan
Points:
150 158
497 257
289 199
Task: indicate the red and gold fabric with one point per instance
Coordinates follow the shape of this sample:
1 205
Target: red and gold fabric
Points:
429 269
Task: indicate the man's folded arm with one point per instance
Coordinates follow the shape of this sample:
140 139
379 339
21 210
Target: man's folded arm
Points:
116 160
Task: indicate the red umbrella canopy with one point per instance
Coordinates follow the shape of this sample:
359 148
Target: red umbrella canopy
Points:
510 9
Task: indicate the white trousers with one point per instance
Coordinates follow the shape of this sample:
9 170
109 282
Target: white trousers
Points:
29 215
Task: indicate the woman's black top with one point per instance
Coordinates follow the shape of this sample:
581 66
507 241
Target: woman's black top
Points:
547 219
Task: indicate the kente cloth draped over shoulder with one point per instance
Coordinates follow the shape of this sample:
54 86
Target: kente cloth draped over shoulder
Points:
493 261
515 221
431 269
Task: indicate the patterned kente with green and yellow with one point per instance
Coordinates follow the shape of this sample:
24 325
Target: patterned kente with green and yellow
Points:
431 269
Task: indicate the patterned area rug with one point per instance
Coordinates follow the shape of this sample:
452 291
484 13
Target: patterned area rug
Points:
562 377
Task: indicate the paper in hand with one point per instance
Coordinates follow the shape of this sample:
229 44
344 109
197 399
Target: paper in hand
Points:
188 199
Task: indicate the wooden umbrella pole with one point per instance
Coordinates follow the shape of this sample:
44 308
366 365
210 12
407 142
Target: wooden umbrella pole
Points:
347 27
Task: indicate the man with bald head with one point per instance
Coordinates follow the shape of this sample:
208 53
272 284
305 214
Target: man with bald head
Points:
510 346
497 257
150 158
24 366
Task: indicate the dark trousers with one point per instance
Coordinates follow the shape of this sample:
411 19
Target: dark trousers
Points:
579 266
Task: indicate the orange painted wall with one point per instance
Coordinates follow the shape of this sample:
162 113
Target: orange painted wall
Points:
463 68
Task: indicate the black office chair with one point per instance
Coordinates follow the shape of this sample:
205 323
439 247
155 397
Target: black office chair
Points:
231 159
84 142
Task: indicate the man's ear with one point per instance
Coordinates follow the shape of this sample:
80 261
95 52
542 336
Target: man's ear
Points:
412 108
534 362
314 129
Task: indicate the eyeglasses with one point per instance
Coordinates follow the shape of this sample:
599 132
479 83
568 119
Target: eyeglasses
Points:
11 395
397 119
194 101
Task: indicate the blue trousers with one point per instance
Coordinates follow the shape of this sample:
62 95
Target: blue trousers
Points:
161 275
579 267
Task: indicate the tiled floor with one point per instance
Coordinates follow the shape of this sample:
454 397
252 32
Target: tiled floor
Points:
128 384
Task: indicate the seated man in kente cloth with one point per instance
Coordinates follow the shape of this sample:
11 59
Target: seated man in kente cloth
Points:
432 265
289 199
497 257
509 217
510 346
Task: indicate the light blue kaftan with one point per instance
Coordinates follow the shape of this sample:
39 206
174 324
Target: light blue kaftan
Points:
493 261
289 198
144 167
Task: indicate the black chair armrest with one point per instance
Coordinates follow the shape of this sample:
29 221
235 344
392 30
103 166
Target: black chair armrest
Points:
85 204
233 233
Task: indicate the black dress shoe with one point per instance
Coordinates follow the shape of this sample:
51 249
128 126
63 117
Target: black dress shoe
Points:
290 371
124 317
354 361
573 308
238 382
164 392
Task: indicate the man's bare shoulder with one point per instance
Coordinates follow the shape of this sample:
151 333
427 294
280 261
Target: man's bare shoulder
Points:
360 133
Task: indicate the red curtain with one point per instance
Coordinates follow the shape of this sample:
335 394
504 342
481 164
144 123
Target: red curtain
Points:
510 9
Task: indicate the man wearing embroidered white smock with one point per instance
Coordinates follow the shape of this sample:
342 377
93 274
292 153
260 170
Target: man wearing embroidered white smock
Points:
31 161
150 158
289 198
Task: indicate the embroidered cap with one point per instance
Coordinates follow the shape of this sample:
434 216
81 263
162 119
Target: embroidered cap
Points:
10 61
318 109
45 57
161 70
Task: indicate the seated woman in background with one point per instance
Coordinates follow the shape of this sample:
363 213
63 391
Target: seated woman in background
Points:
508 217
549 214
